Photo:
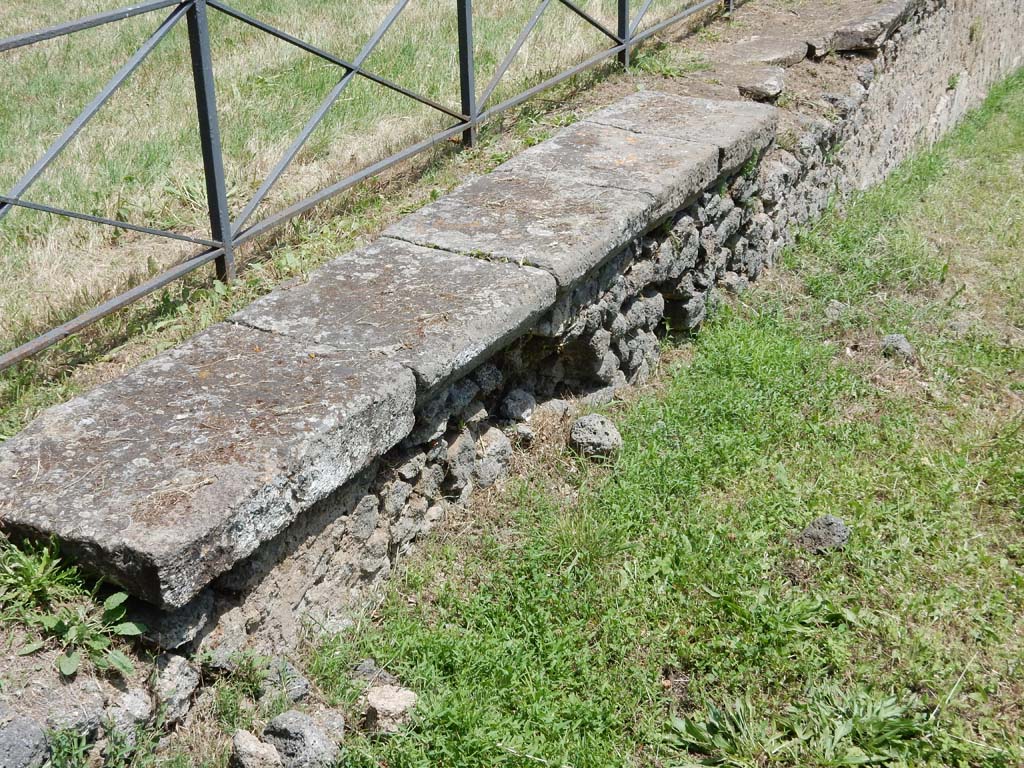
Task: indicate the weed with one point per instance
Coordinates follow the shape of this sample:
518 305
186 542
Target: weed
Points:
81 632
33 577
68 749
38 591
732 735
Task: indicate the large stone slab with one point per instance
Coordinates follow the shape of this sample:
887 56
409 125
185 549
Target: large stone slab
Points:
672 172
738 128
527 216
437 312
164 478
871 31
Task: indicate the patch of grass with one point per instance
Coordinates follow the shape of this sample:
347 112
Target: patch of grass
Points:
668 61
68 750
663 616
51 599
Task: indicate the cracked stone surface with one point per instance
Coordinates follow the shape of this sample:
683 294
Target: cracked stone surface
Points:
22 741
567 205
166 477
439 313
529 216
737 128
671 171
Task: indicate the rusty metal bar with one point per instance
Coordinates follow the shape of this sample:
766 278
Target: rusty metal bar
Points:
87 22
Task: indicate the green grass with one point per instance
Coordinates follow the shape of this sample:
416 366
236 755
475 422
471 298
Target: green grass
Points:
52 601
139 159
666 618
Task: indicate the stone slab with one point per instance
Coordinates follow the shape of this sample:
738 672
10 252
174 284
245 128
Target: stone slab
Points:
738 128
532 218
437 312
164 478
821 42
761 83
670 171
871 31
765 49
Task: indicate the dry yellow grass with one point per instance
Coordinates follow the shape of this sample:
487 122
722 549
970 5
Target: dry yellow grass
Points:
139 159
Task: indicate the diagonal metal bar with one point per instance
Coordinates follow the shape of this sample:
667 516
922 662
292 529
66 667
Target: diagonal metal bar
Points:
656 28
108 307
94 106
317 118
302 206
507 62
86 22
105 221
555 80
640 17
590 19
327 56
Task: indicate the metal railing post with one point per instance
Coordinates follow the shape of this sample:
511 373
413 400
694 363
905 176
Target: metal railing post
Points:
209 135
624 32
467 70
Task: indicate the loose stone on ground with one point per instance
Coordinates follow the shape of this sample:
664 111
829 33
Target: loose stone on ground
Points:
249 752
300 741
387 708
823 534
594 435
762 83
368 670
176 682
282 677
897 347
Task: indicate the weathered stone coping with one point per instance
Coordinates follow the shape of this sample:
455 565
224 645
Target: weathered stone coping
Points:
166 477
565 205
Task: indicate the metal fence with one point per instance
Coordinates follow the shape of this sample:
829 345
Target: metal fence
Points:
227 234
